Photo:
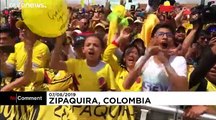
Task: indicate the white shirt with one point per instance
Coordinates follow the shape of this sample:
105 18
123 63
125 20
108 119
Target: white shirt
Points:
155 77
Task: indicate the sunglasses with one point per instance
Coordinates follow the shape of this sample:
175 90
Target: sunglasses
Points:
161 34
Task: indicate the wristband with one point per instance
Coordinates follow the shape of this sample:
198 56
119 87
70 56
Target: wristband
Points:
115 43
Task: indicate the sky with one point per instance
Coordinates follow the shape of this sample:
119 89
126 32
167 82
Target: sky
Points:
8 3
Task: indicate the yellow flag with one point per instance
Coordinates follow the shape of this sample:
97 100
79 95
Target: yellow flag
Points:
120 11
82 2
148 26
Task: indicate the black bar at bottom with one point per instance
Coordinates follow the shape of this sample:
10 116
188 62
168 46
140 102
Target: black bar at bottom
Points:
23 98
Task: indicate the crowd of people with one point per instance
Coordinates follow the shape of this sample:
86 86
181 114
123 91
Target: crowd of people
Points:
140 51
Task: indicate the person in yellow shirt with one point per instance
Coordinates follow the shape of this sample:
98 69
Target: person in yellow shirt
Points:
44 79
41 51
15 62
90 74
128 60
203 75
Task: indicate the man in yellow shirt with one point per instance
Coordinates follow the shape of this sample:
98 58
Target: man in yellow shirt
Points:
16 61
41 51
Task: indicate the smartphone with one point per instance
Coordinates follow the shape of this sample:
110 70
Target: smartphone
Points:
7 49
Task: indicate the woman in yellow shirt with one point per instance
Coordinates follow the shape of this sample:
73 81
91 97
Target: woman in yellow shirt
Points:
127 63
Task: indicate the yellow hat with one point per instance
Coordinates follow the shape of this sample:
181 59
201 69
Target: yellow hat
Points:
100 25
46 18
130 18
138 21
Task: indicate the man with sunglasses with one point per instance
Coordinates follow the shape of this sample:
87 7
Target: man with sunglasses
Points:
170 71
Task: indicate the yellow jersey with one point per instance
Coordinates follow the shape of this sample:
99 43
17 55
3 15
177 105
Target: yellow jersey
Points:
43 80
40 57
99 78
120 112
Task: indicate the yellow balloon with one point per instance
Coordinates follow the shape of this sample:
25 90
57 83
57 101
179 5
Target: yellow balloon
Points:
46 18
166 3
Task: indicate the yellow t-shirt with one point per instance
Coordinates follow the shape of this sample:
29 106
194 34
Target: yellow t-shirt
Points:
99 78
52 81
43 80
120 112
124 112
40 57
48 79
210 86
121 77
88 80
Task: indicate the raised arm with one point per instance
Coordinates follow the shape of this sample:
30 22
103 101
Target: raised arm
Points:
189 40
28 72
178 18
109 52
206 62
177 73
56 62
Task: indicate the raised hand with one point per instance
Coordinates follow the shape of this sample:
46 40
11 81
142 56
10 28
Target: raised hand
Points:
125 33
153 50
195 111
162 57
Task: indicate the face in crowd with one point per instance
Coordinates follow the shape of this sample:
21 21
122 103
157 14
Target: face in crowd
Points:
93 48
180 35
163 37
131 55
84 24
6 37
25 32
202 41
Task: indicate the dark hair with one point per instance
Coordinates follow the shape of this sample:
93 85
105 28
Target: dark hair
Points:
6 29
129 47
79 41
139 41
163 25
181 29
99 37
